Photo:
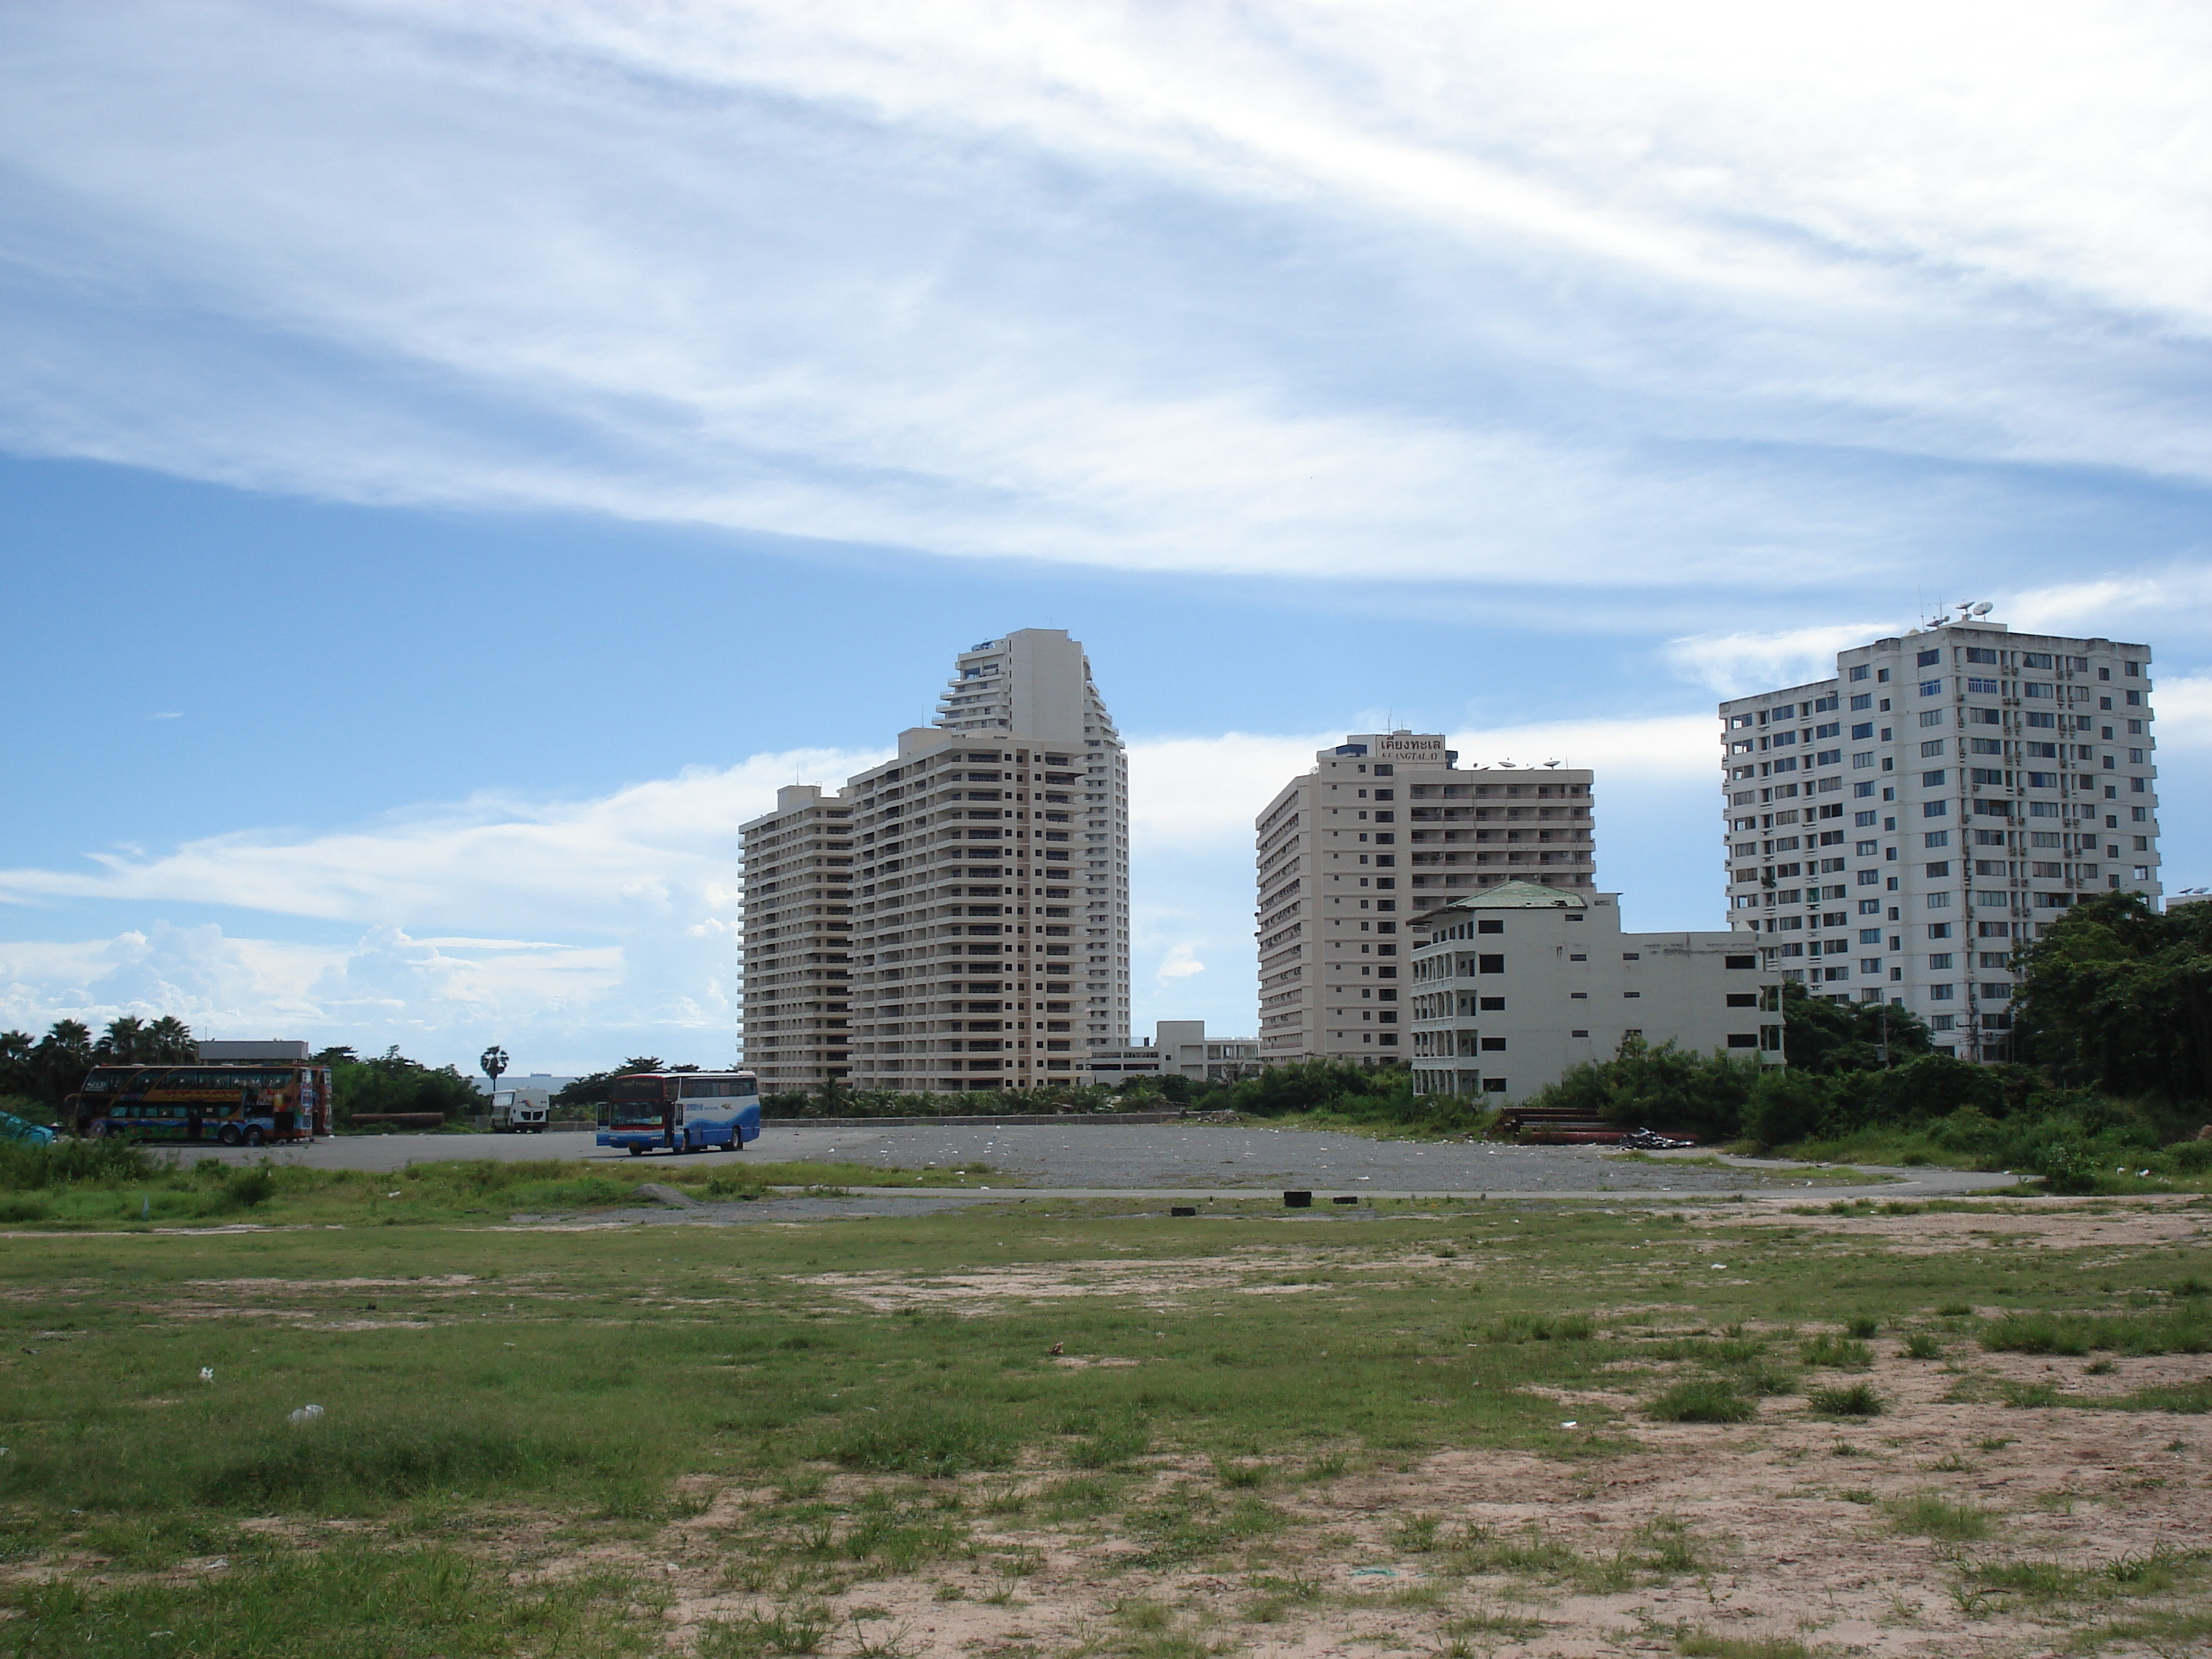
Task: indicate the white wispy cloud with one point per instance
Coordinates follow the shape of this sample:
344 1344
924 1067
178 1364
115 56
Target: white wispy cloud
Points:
1578 296
1732 664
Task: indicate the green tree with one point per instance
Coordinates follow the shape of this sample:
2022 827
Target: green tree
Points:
390 1082
598 1087
2119 996
1829 1038
1786 1105
54 1069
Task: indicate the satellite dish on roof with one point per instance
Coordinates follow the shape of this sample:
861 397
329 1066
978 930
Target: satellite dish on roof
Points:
1984 608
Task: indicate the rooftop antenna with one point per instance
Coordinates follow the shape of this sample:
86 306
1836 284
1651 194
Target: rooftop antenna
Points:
1984 608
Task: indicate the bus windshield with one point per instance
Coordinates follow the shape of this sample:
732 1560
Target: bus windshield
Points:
636 1100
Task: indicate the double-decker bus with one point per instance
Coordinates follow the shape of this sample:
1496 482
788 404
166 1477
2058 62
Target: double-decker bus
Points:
248 1104
681 1112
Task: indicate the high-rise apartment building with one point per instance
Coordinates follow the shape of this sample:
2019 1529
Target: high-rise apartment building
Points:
988 926
794 1028
1386 827
1893 832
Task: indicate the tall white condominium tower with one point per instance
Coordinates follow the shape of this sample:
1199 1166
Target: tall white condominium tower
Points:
1385 828
792 1026
990 942
1892 832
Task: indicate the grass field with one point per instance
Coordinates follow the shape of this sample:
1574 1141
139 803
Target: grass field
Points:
1743 1431
165 1192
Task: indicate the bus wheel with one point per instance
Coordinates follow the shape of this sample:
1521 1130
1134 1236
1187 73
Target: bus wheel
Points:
227 1135
637 1151
254 1137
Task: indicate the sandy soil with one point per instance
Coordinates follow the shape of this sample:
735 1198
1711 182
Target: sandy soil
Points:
1787 1515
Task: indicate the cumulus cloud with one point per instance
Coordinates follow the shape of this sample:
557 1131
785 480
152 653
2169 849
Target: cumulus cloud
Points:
616 918
1408 289
1180 963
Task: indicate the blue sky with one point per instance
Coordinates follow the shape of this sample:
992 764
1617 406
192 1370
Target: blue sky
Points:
453 470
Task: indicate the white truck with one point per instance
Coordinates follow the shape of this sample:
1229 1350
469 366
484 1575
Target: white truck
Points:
519 1111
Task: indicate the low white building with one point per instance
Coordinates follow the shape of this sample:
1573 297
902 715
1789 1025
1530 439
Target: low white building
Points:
1512 987
1177 1048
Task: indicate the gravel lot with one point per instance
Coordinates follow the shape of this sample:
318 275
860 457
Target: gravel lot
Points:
1178 1156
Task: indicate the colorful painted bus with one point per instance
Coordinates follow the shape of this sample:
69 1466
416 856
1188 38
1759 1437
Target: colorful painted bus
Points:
248 1104
681 1112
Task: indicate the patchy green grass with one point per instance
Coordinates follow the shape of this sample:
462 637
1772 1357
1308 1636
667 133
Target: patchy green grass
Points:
133 1187
605 1387
346 1600
1931 1514
2187 1329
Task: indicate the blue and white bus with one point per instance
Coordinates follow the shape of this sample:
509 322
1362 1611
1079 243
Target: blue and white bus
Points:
681 1112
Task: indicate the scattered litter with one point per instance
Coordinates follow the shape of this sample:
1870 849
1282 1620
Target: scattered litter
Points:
1374 1573
207 1373
1717 1266
219 1562
305 1414
1570 1424
1056 1347
392 1195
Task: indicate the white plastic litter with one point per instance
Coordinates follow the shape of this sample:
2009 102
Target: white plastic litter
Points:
207 1373
306 1415
1569 1424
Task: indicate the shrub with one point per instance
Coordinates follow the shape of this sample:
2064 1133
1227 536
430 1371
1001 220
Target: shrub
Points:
1836 1353
72 1162
1786 1106
1703 1400
1661 1087
2065 1167
1859 1400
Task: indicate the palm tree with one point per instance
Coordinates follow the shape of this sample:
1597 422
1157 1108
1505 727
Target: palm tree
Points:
123 1040
60 1059
169 1038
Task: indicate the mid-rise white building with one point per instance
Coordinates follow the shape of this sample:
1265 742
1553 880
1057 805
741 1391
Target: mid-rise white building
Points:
1512 987
980 927
1386 827
1895 830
